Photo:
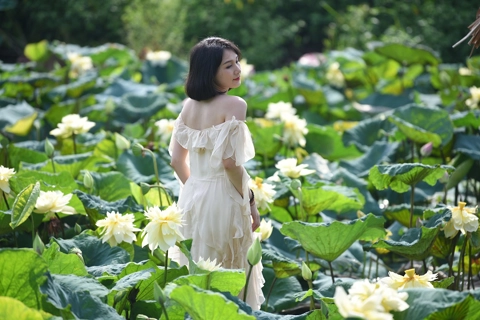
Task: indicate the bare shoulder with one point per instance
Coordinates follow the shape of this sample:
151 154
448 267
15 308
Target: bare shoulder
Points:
234 107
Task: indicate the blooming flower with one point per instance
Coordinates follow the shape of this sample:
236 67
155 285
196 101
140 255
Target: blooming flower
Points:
158 57
247 69
79 64
280 110
409 280
163 230
165 128
473 101
294 130
310 59
208 265
263 192
265 229
289 168
72 124
5 175
372 301
117 228
51 202
465 71
463 219
334 76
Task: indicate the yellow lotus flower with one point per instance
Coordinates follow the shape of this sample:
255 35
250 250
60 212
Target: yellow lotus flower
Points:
5 175
117 228
473 101
263 192
165 128
289 168
265 229
72 124
79 64
51 202
163 230
371 301
294 130
409 280
335 76
208 265
280 110
463 219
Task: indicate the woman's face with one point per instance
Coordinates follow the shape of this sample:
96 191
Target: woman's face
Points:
228 73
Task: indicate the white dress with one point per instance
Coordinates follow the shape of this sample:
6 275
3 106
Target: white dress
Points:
215 216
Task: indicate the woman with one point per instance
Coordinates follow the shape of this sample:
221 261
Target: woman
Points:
209 145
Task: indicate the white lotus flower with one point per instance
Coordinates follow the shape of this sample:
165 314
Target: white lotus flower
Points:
263 192
5 175
310 60
289 168
294 130
409 280
463 220
208 265
465 71
265 229
118 228
163 230
51 202
72 124
247 69
371 301
79 64
334 76
474 100
165 128
158 57
280 110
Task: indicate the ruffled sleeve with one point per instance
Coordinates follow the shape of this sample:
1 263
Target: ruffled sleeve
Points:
233 141
179 135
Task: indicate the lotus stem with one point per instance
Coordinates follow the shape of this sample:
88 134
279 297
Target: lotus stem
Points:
74 144
450 262
412 200
166 269
461 271
470 280
310 284
364 263
270 292
164 310
248 280
6 201
33 229
157 176
331 272
53 165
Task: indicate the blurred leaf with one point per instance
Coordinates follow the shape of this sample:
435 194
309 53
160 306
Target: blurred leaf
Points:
328 143
406 55
401 213
11 308
37 51
23 126
467 144
443 284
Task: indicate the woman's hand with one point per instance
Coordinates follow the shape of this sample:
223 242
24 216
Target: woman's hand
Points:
255 217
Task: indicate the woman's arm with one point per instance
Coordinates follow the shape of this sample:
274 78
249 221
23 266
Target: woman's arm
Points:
178 163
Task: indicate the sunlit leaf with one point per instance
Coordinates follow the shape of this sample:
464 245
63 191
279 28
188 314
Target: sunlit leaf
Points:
23 126
24 204
11 308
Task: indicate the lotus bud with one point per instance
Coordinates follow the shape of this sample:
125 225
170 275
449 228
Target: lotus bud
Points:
88 181
254 253
145 187
49 148
121 142
295 184
360 214
38 244
306 272
444 178
426 149
77 228
109 106
78 252
137 149
158 293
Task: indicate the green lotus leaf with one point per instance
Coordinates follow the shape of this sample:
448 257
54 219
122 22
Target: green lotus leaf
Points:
61 263
37 51
77 283
17 155
223 280
266 139
329 240
205 305
465 119
24 204
11 308
14 113
327 142
173 71
23 126
134 107
283 291
424 125
424 303
407 55
401 213
140 169
281 265
400 177
145 287
441 247
111 186
444 283
379 102
122 55
468 144
332 197
63 293
22 271
463 166
74 89
415 243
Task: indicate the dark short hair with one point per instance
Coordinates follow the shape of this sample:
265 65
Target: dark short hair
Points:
205 58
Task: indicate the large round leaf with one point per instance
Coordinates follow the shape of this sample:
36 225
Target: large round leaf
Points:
134 107
468 144
328 143
400 177
408 55
329 240
140 169
367 132
424 125
11 308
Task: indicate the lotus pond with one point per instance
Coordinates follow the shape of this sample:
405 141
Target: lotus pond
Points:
366 176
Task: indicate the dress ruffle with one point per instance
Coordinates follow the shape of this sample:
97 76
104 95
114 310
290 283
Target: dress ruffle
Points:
216 216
